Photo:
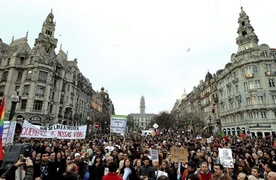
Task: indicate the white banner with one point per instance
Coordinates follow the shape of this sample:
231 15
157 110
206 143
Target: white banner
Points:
225 157
58 131
118 124
10 135
154 154
5 132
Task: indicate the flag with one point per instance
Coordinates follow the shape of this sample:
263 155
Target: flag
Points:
240 98
243 135
2 115
222 134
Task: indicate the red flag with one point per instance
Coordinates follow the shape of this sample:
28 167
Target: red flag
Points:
243 135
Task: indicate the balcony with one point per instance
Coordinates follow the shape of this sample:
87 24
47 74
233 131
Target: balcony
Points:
249 75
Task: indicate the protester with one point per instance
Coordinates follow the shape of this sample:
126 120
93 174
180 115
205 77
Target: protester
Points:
112 175
29 174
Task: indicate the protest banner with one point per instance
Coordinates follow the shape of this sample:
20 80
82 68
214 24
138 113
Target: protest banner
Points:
5 132
118 124
11 131
225 157
154 154
58 131
179 154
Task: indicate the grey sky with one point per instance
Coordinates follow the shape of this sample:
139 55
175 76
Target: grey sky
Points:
135 48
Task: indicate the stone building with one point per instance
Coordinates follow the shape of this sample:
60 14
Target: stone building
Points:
241 98
51 88
246 85
142 120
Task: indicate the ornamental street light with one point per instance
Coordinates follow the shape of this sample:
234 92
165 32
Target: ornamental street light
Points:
14 100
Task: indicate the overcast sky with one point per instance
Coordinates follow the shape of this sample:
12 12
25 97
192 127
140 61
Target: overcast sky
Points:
135 48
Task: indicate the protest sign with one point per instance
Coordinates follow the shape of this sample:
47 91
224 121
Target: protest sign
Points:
179 154
225 157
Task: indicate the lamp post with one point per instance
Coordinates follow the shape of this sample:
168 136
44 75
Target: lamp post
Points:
87 126
210 128
14 100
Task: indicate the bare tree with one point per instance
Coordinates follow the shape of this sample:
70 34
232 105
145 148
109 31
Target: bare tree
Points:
164 120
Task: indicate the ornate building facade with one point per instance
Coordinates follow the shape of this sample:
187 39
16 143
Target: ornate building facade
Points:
242 96
51 87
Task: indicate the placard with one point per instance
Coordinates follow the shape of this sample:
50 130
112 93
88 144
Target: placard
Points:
179 154
225 157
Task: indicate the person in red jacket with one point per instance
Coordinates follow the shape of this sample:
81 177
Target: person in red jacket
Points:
112 175
204 172
191 169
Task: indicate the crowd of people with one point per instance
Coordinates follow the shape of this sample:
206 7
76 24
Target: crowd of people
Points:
105 157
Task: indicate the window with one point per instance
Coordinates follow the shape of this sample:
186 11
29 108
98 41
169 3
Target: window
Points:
22 60
263 114
255 115
38 105
244 33
257 83
253 100
31 60
23 104
237 88
271 83
8 62
268 67
0 61
51 108
247 100
264 53
5 76
40 90
243 23
274 99
251 85
29 75
19 76
250 115
53 96
245 86
49 33
260 99
2 90
255 69
42 76
26 90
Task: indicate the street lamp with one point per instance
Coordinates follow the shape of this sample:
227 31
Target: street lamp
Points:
87 126
210 128
14 100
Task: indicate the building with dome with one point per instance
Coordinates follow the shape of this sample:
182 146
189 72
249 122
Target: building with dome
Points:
51 87
241 98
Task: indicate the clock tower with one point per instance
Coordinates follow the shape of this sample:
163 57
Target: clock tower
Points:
46 42
247 39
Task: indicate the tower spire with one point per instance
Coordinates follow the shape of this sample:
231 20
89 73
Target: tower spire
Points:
142 105
246 36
